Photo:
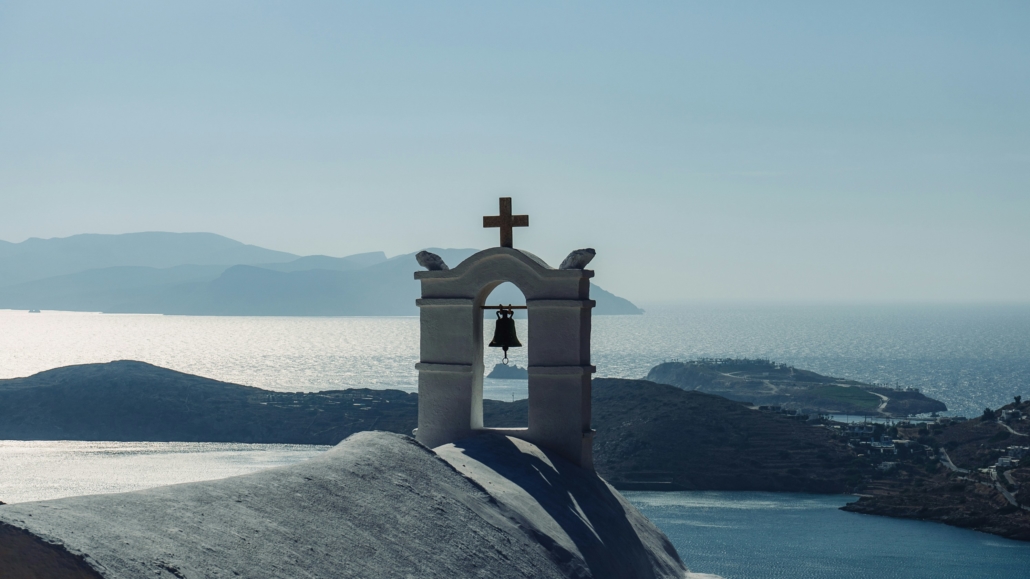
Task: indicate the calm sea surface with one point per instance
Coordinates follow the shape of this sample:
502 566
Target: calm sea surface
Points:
43 470
745 535
969 357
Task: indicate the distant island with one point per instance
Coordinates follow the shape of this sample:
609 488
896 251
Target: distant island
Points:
767 383
207 274
506 372
969 473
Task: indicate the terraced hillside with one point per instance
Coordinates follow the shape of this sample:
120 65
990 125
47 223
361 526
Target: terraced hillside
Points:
976 474
655 436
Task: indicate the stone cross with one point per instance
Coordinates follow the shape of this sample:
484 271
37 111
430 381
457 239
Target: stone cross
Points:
505 221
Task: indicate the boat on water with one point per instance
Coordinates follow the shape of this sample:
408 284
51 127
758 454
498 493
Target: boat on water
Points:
33 311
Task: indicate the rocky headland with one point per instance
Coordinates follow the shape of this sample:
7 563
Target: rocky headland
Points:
766 383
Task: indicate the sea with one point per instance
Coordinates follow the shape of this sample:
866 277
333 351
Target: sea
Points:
970 357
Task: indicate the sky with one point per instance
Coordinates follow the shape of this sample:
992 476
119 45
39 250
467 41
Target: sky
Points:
719 151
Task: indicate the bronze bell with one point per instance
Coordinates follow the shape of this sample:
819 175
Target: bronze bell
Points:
504 333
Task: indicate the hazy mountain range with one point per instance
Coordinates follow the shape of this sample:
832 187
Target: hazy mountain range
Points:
207 274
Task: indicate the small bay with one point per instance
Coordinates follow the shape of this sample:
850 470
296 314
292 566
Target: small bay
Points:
756 535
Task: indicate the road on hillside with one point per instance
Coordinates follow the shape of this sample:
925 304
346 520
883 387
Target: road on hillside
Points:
946 461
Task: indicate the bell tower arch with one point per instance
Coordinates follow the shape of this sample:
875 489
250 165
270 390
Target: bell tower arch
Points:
450 370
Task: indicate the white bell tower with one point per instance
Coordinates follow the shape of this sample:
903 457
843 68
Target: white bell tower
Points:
450 371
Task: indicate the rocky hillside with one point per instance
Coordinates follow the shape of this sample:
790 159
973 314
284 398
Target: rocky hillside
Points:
134 401
655 436
975 474
649 435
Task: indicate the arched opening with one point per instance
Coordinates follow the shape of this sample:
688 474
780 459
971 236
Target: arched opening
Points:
505 383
